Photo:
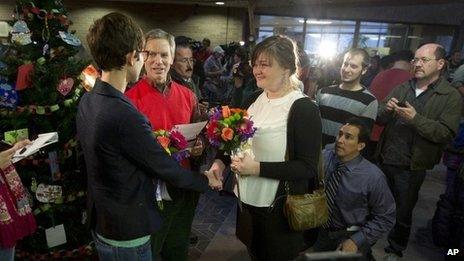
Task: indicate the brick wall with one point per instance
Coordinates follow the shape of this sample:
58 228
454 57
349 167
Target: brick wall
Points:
222 25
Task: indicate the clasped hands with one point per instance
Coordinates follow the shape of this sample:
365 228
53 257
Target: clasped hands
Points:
242 165
408 113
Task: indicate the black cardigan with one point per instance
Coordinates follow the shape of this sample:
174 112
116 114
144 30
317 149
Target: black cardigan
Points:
304 131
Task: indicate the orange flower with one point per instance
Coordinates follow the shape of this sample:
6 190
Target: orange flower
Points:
164 142
225 111
227 134
239 111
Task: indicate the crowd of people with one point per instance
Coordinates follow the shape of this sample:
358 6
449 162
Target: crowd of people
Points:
378 124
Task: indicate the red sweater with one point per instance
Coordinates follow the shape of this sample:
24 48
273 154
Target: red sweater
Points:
164 110
381 87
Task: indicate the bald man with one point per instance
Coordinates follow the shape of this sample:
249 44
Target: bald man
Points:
420 116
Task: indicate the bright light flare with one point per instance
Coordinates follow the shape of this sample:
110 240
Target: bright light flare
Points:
327 49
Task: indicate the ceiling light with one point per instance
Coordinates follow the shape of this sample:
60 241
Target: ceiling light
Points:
315 21
318 22
220 3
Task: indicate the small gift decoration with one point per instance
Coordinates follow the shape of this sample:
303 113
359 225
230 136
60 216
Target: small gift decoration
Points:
48 193
229 128
88 77
65 86
20 33
23 80
8 95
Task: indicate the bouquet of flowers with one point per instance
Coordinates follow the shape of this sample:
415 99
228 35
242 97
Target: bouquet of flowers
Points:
229 128
174 143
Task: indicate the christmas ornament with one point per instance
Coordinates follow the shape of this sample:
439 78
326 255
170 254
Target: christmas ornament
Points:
65 86
8 95
69 38
48 193
20 33
23 80
88 77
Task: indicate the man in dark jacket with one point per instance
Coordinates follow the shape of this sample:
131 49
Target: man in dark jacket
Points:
123 159
421 117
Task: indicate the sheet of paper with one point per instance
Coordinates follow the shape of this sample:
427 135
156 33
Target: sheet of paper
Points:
55 236
190 131
42 141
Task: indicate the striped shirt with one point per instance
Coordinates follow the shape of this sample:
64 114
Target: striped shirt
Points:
338 105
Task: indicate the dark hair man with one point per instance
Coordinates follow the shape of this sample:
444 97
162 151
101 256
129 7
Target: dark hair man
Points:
124 162
182 72
349 99
386 81
361 207
420 116
454 62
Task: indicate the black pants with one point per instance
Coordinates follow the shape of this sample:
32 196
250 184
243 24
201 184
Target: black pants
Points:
330 240
405 186
272 238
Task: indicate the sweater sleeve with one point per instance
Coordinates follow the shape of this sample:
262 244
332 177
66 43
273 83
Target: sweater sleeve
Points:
304 132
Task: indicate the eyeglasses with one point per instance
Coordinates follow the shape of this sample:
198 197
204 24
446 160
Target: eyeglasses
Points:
186 60
423 60
143 54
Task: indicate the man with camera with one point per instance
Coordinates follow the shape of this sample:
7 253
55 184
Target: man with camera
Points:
421 117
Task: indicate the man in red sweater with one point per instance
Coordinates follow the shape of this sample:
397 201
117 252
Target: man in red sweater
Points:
166 103
385 82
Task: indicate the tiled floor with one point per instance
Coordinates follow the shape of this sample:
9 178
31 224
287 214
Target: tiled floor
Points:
215 226
211 213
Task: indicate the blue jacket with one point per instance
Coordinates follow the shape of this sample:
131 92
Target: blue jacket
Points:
123 163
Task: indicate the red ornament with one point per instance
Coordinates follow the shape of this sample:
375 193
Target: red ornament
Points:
23 80
65 86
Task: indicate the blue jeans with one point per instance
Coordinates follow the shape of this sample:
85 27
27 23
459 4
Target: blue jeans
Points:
7 254
112 253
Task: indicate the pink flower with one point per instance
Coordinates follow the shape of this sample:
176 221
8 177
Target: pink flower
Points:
178 140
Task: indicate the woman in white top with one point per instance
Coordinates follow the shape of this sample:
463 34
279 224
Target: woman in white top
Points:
285 147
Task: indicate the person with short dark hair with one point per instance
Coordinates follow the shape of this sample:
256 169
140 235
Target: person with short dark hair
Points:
421 116
361 207
123 159
385 82
182 69
453 64
340 102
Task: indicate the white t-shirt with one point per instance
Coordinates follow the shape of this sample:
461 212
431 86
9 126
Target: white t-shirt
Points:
268 144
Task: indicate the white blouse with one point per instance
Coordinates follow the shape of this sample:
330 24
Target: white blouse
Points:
268 144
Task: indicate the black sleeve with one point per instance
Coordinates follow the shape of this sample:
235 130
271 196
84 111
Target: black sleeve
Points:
304 133
138 143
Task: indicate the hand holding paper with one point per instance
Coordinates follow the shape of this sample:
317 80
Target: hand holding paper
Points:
42 141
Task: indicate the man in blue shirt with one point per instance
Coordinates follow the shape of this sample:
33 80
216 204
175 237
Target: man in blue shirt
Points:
361 206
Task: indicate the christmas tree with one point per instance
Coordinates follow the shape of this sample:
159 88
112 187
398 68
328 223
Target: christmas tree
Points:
40 86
